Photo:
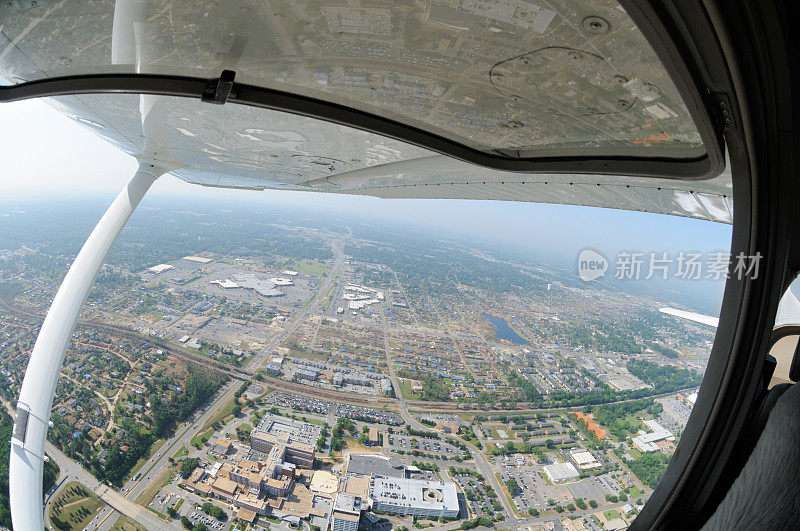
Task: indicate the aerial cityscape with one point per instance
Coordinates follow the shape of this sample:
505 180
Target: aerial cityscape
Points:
275 369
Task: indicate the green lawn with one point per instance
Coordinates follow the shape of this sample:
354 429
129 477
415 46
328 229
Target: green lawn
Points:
180 453
509 433
311 267
198 441
611 514
75 505
405 388
635 492
222 413
157 484
318 422
124 523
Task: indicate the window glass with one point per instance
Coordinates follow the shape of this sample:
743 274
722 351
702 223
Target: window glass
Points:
507 76
519 353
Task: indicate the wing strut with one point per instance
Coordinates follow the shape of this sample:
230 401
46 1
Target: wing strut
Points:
39 385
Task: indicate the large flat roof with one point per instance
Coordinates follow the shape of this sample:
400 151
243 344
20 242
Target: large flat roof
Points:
347 503
561 471
374 465
417 493
296 431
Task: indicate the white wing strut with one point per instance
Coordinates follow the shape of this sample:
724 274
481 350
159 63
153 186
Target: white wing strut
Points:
41 376
692 316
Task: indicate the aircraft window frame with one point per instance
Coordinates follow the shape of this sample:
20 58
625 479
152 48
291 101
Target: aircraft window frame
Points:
725 363
729 41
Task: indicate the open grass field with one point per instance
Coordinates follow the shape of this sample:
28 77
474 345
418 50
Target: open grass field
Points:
225 411
405 389
124 523
75 505
199 440
311 267
180 453
156 485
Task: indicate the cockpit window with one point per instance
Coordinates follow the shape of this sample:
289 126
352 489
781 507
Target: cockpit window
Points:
508 77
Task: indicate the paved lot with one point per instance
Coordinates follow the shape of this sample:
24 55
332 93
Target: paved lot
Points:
435 447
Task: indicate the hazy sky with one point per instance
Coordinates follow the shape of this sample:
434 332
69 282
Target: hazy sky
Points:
45 154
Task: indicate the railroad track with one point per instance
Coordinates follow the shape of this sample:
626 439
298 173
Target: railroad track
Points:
306 390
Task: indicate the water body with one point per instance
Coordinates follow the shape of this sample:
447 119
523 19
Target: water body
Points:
503 331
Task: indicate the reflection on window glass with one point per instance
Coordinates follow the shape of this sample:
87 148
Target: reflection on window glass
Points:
511 76
516 353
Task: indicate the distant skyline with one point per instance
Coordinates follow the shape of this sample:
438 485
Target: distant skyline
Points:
46 155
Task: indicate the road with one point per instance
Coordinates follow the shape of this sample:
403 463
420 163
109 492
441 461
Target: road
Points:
116 503
69 471
160 459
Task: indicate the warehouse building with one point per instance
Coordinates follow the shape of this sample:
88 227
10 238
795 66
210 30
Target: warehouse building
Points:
560 472
584 459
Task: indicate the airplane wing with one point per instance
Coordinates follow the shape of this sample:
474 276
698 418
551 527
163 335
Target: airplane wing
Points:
692 316
484 95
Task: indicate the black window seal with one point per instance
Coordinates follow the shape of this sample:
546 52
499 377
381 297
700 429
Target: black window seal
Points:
743 50
698 168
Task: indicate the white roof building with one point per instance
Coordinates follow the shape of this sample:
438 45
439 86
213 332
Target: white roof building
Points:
558 472
584 459
198 259
646 442
225 284
160 268
414 497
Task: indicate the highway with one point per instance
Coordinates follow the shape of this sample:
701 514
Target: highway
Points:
160 459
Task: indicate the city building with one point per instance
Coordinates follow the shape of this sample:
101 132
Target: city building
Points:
432 499
559 472
296 438
272 370
220 448
584 459
346 512
653 441
373 435
160 268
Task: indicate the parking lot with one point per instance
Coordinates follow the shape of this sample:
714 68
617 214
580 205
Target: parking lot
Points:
433 447
534 492
312 405
478 500
197 517
595 488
